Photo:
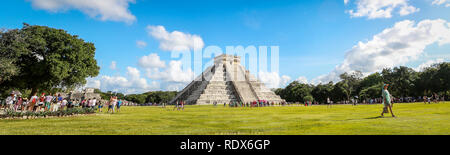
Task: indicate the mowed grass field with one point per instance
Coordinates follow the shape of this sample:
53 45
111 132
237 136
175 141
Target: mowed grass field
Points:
412 118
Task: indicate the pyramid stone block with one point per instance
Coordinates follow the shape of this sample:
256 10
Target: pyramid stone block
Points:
224 82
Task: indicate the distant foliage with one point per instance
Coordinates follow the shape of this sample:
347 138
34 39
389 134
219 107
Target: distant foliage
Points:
404 82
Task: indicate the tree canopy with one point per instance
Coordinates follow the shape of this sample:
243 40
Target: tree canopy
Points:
42 58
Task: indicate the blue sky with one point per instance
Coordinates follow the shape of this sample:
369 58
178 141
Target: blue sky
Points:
317 39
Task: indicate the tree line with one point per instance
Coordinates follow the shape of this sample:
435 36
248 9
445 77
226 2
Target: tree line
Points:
148 97
403 81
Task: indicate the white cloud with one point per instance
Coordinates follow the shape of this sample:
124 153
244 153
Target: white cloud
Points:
141 44
346 1
157 69
273 79
93 83
172 73
381 8
113 65
132 83
285 80
302 79
270 79
394 46
440 2
176 40
428 63
151 61
105 10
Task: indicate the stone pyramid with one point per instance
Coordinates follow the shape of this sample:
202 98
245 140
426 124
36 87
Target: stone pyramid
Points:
224 82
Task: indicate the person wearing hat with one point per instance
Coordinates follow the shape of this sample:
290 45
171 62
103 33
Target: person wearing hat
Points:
386 100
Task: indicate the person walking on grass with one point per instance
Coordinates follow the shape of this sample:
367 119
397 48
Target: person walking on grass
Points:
114 104
176 106
100 106
435 98
108 103
119 103
328 102
386 101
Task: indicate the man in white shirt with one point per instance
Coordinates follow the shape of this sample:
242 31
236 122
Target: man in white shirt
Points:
48 100
94 101
63 103
10 101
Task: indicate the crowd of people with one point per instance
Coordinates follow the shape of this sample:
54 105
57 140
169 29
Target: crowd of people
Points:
259 103
57 102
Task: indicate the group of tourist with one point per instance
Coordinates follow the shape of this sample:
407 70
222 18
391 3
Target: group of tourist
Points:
37 103
179 105
113 104
435 98
56 103
259 103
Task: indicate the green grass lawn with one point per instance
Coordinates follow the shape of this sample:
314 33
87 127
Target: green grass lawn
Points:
413 118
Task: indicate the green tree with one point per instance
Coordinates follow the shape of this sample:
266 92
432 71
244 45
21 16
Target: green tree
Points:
373 91
49 58
308 98
321 92
401 80
350 82
434 79
369 81
136 98
295 92
8 68
338 93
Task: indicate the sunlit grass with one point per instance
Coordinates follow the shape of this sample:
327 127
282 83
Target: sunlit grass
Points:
412 118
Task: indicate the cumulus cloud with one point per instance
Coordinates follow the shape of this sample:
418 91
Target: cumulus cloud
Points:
273 79
381 8
302 79
151 61
132 83
285 80
141 44
346 1
402 43
441 2
172 73
93 83
113 65
428 63
176 40
105 10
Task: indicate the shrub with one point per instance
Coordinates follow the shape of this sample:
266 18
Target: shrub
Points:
67 112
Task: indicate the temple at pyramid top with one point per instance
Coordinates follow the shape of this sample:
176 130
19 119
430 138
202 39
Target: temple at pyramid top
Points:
224 82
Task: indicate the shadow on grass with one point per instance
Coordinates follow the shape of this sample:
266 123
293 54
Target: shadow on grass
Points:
374 117
377 117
